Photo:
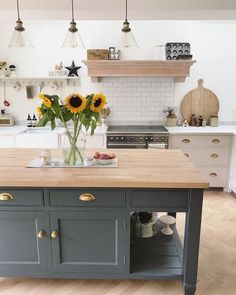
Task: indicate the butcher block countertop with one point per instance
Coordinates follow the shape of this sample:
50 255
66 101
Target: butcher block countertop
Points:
136 169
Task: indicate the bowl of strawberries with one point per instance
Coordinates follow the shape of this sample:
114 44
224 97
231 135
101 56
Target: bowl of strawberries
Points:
104 159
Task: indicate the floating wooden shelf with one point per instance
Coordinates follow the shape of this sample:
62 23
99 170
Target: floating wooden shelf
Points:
178 69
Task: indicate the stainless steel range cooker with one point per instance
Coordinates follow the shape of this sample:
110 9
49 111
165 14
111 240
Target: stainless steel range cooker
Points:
137 137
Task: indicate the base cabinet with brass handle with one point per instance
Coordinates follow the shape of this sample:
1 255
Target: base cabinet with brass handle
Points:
62 236
209 152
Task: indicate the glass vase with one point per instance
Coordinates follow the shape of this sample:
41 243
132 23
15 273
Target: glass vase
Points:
74 154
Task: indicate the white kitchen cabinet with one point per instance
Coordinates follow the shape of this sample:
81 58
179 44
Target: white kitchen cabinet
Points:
232 178
210 153
7 141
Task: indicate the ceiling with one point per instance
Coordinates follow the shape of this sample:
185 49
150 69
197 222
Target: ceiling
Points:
114 9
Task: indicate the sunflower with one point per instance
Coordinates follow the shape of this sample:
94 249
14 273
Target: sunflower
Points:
75 103
42 96
39 112
98 102
47 102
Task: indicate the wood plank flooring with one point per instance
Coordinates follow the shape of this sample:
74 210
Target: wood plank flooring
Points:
217 263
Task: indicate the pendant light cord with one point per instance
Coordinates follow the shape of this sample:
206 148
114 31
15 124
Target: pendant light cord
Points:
72 5
18 9
126 10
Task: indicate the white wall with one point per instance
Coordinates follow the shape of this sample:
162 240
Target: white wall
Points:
213 46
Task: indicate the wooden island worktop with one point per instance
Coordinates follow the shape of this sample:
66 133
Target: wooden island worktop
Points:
136 168
78 222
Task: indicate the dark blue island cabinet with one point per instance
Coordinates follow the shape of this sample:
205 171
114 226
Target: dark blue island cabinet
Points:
76 222
86 233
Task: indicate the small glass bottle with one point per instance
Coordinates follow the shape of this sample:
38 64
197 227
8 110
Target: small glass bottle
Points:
193 120
200 120
34 121
29 121
204 123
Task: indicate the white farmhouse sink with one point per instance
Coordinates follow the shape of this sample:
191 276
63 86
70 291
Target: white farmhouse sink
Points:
37 138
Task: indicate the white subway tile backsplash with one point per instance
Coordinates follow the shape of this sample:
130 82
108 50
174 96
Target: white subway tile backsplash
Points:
134 99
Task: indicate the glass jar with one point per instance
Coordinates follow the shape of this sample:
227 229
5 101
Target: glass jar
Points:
214 121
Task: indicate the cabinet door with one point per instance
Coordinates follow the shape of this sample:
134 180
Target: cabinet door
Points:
21 251
88 242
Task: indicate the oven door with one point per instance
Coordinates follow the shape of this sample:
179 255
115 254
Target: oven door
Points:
126 145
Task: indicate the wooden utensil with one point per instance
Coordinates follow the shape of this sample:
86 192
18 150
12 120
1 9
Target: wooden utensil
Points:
199 101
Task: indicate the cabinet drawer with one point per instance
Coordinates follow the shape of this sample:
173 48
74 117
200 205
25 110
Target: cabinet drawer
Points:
185 141
104 198
21 198
159 199
216 176
208 157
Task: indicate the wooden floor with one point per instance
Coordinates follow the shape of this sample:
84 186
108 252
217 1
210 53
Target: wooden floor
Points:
217 264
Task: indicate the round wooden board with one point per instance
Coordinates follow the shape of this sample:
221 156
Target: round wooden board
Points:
199 101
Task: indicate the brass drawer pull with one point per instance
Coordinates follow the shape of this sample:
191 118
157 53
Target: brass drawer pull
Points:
187 155
214 156
41 234
213 174
185 140
87 197
6 197
54 234
215 140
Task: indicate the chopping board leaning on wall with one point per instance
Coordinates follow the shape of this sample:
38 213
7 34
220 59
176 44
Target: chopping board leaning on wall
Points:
199 101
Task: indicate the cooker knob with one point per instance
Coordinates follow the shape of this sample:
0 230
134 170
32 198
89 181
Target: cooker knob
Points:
146 138
122 138
151 138
117 138
140 138
111 138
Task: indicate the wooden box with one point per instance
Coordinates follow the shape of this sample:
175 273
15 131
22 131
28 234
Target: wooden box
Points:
96 54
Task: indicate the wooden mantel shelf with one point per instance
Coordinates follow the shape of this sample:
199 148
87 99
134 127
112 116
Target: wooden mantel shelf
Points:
178 69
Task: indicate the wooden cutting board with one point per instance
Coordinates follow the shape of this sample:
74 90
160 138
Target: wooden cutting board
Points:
199 101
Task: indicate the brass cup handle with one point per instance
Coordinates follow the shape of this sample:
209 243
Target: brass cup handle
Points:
87 197
41 234
185 140
6 197
215 140
213 174
214 156
54 234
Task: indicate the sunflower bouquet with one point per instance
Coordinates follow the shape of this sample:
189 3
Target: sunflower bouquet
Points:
77 111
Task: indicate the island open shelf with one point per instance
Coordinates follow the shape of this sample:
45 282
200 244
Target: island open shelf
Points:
156 257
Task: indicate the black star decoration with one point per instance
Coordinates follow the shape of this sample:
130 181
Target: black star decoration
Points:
73 70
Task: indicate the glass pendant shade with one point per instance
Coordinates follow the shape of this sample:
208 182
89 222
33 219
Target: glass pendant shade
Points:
127 40
73 39
19 39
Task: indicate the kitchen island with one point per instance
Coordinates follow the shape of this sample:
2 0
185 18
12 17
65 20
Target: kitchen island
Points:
75 222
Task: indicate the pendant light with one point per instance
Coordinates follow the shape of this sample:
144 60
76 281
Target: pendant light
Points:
19 37
73 38
127 38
